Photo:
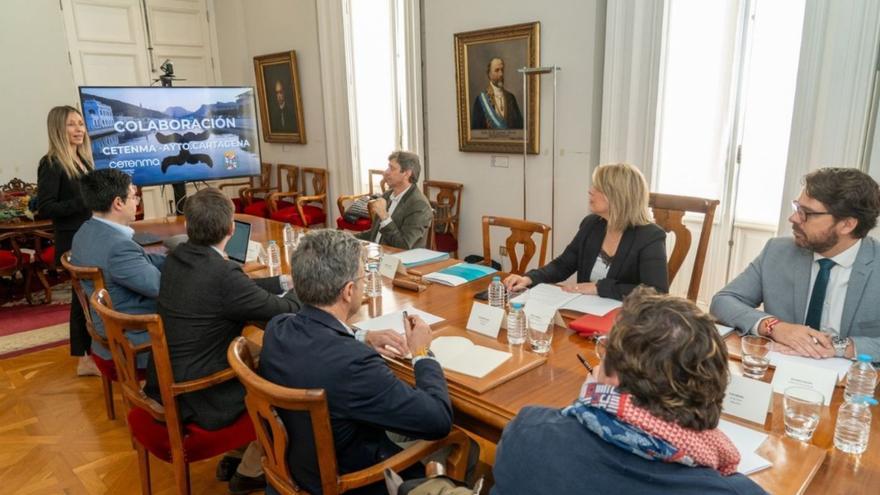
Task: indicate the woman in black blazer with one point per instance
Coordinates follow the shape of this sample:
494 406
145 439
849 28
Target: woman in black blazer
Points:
616 248
59 198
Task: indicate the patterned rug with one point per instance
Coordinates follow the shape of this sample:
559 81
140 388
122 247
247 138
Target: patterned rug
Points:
25 328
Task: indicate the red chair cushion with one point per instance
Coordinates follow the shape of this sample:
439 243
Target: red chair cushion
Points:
259 208
108 368
198 443
446 242
314 215
47 256
7 259
360 225
239 205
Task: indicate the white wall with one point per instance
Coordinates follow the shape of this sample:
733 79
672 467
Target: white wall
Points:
572 34
36 77
247 29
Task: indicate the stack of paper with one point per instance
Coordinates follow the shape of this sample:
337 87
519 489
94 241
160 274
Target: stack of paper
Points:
747 441
550 295
724 330
420 256
461 355
838 365
394 321
459 274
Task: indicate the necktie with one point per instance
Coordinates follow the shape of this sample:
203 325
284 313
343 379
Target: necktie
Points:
817 298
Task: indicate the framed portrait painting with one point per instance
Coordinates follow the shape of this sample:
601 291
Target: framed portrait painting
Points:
280 99
491 104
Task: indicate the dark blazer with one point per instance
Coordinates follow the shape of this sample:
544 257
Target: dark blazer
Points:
205 301
59 198
131 275
312 349
409 222
584 463
513 119
640 259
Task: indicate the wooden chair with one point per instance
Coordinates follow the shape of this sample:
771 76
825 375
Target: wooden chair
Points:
304 213
377 185
445 198
669 213
14 261
521 232
254 191
265 398
157 428
18 187
107 368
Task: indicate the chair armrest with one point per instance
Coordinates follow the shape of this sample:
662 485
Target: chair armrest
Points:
340 201
203 382
457 460
234 184
247 193
301 200
274 198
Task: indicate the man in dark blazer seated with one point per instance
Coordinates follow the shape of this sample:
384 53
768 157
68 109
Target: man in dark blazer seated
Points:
402 216
316 348
205 300
131 276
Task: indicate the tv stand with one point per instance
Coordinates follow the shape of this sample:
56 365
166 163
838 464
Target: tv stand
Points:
179 196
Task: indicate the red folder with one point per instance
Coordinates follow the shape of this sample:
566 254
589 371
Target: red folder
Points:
594 325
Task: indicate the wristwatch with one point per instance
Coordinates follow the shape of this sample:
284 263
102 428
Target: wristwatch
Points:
840 344
423 352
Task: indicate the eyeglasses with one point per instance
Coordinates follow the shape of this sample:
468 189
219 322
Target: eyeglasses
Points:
804 215
601 346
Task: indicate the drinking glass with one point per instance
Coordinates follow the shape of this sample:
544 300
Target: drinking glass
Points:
540 334
754 355
802 407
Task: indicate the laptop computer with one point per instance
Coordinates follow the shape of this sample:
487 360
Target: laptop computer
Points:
237 247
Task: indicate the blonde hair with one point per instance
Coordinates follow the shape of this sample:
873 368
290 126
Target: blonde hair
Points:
627 193
59 144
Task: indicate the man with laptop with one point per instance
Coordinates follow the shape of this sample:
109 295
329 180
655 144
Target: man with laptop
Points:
205 300
131 276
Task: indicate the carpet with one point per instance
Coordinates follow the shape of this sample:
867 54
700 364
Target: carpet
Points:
25 328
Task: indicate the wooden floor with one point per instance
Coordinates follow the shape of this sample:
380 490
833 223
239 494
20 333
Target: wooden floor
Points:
55 436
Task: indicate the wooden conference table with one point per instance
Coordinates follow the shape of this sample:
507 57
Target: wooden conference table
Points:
797 467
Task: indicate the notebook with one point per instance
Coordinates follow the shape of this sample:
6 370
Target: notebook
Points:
237 247
459 274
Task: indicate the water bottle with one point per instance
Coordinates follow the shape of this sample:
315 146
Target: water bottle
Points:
854 424
861 378
374 282
497 293
516 324
274 256
290 241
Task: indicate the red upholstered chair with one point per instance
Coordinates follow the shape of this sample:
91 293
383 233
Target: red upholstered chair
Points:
156 428
255 191
14 262
311 202
344 201
265 398
445 198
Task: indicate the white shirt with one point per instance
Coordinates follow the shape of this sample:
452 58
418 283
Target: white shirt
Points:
498 96
835 294
395 199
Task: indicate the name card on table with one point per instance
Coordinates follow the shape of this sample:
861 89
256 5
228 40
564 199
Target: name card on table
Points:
485 319
388 266
791 374
544 313
747 399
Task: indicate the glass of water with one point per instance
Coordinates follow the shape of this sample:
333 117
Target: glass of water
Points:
755 360
540 334
802 407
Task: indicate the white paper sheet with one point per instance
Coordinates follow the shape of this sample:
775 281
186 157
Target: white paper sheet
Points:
394 321
594 305
420 256
553 296
461 355
747 441
838 365
724 330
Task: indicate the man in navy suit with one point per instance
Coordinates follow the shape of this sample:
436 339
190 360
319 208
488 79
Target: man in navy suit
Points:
131 276
315 348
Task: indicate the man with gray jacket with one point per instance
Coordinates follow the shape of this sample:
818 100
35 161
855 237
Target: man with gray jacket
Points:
819 289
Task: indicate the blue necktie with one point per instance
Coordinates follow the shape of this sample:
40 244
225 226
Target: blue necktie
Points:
817 298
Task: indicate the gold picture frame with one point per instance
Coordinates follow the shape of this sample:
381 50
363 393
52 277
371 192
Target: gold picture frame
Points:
280 99
490 118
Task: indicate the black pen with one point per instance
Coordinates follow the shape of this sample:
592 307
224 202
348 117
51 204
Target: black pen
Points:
405 319
585 363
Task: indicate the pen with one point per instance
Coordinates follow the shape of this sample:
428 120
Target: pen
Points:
405 319
585 363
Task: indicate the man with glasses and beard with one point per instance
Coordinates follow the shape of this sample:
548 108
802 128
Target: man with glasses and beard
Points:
818 290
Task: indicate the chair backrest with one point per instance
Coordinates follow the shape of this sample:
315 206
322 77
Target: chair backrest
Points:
377 181
669 213
288 177
94 275
445 197
265 175
263 401
521 232
17 186
317 193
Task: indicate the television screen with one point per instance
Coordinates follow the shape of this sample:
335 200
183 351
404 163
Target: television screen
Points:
163 135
